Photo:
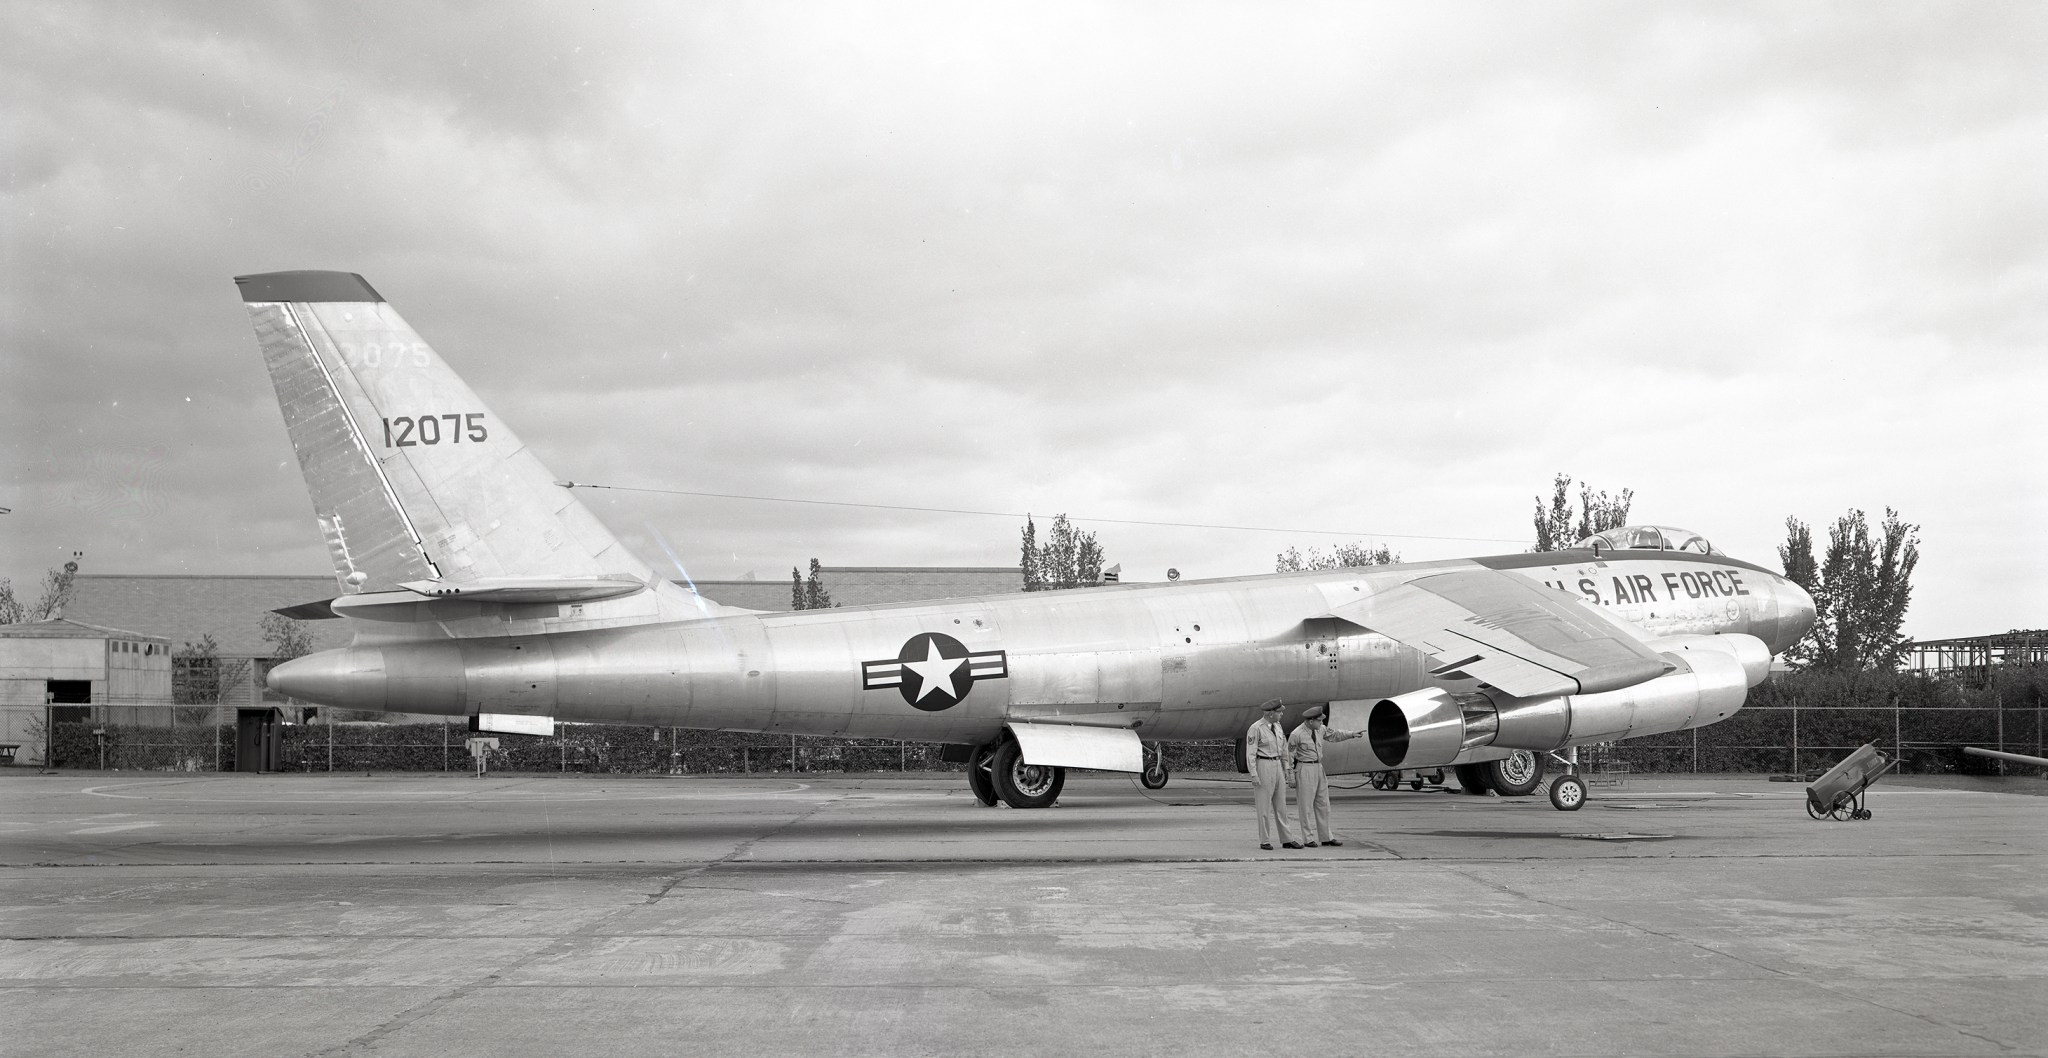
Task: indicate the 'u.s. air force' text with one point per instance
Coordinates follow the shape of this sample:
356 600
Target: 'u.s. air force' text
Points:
1641 587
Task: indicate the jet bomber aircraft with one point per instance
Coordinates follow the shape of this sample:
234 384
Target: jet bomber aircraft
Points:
477 585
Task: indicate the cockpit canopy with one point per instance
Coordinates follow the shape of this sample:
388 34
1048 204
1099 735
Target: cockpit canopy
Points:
1650 538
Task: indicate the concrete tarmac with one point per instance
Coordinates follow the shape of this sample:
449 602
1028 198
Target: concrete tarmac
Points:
230 915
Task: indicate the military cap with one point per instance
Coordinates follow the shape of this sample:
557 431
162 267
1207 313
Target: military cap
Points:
1270 704
1315 712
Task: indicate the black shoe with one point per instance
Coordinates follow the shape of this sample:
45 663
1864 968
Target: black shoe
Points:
1309 844
1290 844
1333 843
1268 848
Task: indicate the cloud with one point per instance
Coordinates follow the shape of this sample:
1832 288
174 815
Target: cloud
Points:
1380 269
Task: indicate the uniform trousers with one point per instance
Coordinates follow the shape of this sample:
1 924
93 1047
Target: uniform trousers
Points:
1269 793
1312 799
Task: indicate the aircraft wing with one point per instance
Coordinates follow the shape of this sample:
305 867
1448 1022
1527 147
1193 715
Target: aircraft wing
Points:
1523 638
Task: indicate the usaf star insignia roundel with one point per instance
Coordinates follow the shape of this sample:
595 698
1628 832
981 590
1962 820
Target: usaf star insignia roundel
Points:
934 671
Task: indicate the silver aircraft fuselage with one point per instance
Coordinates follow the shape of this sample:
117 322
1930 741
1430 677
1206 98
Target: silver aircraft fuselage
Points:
1170 662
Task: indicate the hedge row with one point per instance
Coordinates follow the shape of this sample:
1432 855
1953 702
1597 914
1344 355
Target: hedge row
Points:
1794 723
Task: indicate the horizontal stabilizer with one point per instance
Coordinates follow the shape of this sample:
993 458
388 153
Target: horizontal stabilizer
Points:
529 589
322 610
420 600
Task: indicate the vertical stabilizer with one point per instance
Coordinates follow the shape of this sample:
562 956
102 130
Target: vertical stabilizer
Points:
412 478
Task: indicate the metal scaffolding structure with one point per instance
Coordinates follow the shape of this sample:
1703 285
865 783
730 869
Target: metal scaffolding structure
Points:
1972 657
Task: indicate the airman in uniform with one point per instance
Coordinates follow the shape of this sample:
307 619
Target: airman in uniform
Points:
1265 750
1311 786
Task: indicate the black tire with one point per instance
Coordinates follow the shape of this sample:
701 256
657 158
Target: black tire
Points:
1384 780
1814 810
1154 776
1517 776
1568 793
979 778
1022 785
1471 778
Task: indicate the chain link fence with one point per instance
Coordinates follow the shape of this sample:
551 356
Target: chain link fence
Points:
1801 723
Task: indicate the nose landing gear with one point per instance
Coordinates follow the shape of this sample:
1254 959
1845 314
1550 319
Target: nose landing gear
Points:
1155 774
1568 791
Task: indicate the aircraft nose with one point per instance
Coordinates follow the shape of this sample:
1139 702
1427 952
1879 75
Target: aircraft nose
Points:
1796 613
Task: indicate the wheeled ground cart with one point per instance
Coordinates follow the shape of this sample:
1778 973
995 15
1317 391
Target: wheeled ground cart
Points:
1838 794
1391 780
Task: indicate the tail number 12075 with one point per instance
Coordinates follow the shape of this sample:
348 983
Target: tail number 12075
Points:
405 431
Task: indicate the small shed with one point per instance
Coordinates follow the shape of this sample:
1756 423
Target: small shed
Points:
63 671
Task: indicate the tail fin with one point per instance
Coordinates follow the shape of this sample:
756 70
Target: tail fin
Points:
412 477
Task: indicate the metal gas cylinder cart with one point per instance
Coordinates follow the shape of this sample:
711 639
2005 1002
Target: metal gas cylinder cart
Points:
1839 793
1416 779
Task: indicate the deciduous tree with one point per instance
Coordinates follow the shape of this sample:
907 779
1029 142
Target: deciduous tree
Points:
201 679
1356 553
1067 558
1557 527
809 594
1861 589
57 585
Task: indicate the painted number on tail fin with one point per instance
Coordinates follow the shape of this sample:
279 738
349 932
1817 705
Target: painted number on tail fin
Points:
406 431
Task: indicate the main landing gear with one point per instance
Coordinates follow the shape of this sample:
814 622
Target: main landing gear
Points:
997 772
1517 775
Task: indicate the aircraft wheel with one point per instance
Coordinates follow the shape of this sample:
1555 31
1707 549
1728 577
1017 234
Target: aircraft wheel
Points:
1154 776
1415 783
1568 793
979 778
1472 778
1022 785
1517 776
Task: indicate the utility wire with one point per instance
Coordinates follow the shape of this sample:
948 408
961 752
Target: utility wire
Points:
1015 514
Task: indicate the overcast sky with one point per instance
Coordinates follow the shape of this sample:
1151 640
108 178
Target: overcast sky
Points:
1380 270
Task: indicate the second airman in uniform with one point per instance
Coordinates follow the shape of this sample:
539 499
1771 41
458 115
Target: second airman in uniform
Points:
1311 786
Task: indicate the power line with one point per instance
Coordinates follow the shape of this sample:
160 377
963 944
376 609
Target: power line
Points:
1016 514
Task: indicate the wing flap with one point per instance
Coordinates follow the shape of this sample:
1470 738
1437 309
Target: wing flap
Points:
1522 638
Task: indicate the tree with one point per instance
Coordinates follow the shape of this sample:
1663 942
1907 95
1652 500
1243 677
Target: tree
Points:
1067 558
288 637
1860 590
57 585
1557 528
809 594
201 680
1339 557
1028 563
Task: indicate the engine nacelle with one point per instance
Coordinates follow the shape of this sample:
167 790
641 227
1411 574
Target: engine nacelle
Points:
1428 728
1747 649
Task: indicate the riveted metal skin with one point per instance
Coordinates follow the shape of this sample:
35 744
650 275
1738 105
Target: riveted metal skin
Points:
477 584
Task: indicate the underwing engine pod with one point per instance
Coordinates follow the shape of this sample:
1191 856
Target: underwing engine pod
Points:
1430 727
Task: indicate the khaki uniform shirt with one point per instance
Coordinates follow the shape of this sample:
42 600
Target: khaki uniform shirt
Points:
1305 745
1265 740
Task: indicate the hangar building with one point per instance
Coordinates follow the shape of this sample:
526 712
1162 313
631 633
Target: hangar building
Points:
109 658
63 670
